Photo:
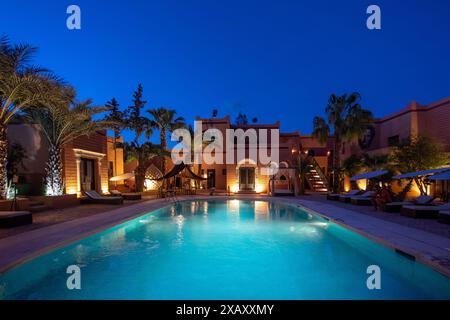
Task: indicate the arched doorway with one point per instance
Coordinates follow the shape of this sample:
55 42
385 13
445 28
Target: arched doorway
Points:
247 175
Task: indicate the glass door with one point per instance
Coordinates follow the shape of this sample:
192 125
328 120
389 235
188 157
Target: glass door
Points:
247 178
87 174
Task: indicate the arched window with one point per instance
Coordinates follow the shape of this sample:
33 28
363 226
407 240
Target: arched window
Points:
283 178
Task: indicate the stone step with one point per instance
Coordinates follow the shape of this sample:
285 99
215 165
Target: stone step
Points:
38 207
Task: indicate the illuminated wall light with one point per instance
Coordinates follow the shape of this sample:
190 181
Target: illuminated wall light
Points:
259 188
235 188
151 184
71 190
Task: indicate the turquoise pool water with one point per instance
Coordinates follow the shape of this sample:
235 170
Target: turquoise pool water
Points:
224 250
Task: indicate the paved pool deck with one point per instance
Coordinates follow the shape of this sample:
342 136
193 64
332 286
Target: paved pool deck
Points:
429 248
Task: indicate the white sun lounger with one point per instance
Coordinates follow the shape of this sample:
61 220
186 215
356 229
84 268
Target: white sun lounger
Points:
426 212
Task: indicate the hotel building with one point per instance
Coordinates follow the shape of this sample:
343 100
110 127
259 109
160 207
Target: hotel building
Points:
246 175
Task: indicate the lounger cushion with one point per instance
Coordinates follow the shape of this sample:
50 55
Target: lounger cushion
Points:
423 199
444 217
429 208
12 214
10 219
366 195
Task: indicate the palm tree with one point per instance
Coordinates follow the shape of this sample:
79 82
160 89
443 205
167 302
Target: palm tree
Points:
166 121
301 166
142 128
241 119
376 161
21 86
346 120
117 119
62 121
143 154
417 154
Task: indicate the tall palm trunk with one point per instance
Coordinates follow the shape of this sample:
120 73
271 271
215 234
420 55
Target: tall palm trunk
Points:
337 164
115 156
54 172
3 162
162 136
421 186
139 175
164 146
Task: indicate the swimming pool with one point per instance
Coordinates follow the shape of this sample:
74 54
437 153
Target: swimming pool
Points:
221 249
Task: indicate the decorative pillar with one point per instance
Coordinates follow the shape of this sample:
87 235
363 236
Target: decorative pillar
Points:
99 175
78 161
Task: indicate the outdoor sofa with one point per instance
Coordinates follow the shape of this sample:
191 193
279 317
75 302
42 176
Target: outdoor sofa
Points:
363 200
444 216
425 212
94 197
126 196
397 206
336 196
10 219
347 197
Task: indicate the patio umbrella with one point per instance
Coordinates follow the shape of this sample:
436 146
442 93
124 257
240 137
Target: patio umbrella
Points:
411 175
441 176
121 177
369 175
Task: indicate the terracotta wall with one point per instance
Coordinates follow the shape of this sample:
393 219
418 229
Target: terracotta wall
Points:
96 143
436 121
35 144
115 157
430 120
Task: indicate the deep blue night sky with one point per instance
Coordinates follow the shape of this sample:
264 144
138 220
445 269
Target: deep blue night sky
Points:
276 60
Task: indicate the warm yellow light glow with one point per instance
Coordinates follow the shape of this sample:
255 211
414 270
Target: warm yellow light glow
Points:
235 188
261 207
233 206
151 184
347 185
414 191
71 190
105 189
362 184
259 188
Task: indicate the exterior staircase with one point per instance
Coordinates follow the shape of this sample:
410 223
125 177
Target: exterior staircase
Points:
315 178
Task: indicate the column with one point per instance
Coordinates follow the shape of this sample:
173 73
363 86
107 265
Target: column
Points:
78 161
99 175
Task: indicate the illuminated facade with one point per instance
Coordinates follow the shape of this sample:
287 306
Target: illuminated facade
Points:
430 120
85 165
245 176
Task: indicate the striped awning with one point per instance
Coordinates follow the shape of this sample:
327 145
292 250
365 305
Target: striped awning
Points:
411 175
369 175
